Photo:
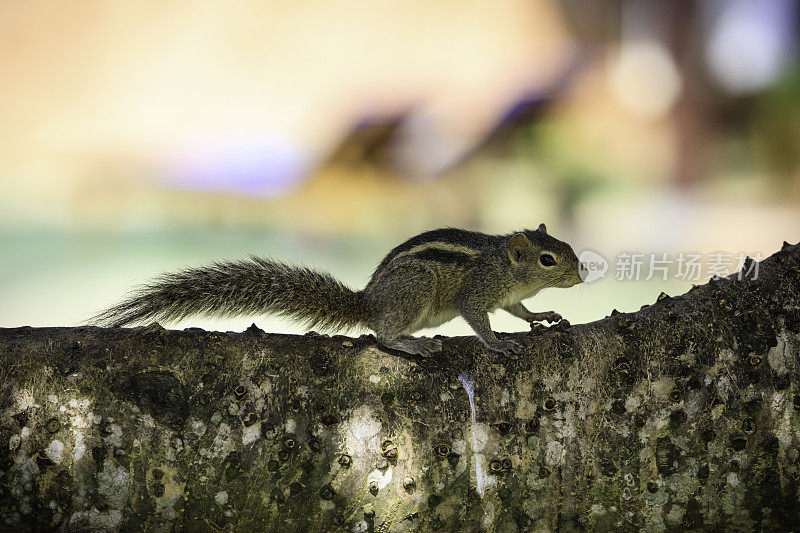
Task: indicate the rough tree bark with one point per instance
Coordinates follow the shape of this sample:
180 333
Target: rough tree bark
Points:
682 416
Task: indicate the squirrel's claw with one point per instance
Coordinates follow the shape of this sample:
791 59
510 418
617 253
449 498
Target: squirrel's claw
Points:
413 345
507 347
427 347
549 316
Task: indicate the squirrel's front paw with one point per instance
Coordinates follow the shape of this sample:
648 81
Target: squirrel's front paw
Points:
507 347
549 316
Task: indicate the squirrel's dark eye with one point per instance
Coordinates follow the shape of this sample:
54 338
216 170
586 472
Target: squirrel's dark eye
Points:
547 260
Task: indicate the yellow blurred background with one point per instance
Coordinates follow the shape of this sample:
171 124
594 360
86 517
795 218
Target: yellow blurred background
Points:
140 137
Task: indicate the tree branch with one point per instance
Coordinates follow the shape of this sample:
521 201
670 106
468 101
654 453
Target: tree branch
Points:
681 416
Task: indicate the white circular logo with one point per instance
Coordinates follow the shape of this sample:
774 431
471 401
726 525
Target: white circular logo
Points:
594 268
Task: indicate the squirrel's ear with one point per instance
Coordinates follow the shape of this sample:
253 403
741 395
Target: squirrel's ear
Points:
517 246
542 228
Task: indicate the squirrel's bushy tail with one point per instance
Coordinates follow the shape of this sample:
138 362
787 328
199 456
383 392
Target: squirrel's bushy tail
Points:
247 287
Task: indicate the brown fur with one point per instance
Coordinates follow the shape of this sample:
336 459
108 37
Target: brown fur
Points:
424 282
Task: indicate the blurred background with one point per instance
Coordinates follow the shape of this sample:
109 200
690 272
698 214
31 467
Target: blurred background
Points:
140 137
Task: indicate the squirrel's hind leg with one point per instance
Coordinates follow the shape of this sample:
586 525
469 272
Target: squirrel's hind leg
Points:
411 345
398 304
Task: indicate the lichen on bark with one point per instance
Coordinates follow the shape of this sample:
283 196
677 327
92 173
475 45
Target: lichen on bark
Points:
682 416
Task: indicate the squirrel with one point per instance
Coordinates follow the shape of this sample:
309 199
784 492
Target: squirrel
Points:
424 282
